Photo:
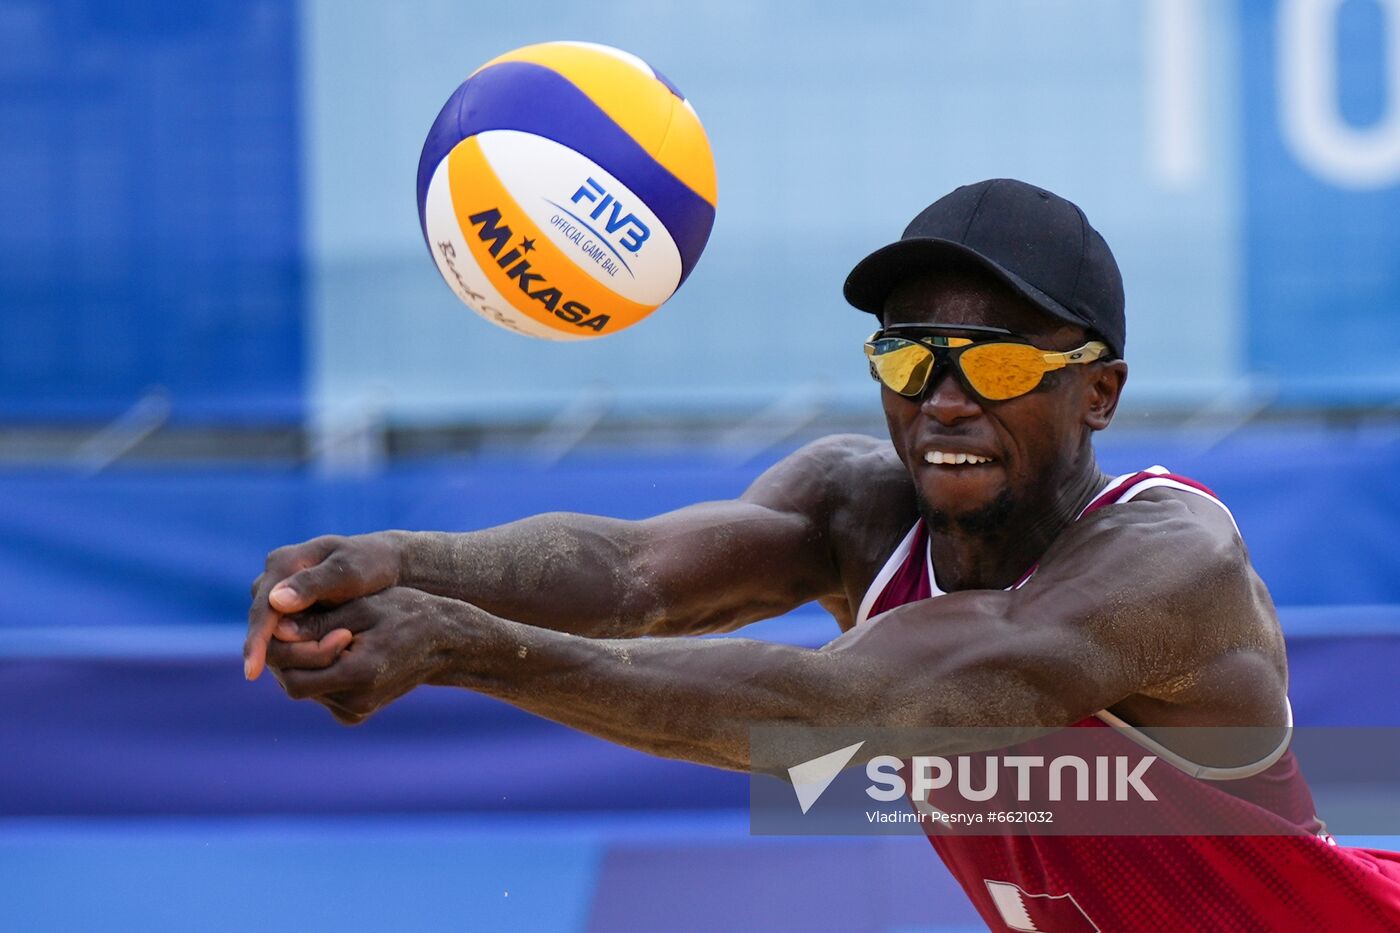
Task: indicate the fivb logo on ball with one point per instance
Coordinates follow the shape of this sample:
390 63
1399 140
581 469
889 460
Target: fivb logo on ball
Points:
566 190
636 232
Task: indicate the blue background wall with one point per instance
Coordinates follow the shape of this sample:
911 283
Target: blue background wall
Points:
150 233
1320 238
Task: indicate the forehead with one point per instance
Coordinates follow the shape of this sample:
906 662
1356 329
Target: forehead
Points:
969 295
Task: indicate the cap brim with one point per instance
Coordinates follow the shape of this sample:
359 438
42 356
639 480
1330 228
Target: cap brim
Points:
874 277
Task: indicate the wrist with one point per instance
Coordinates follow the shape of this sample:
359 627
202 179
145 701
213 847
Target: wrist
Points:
442 635
401 546
460 637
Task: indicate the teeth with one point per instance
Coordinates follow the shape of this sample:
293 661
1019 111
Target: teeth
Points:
947 459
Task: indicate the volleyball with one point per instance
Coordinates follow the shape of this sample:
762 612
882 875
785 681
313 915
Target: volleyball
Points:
566 190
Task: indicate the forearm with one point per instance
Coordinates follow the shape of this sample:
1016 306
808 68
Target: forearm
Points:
699 699
560 571
693 699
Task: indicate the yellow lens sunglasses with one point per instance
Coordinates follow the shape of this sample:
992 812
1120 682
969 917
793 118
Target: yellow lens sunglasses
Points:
904 358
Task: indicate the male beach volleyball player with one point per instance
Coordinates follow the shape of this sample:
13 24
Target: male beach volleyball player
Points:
984 571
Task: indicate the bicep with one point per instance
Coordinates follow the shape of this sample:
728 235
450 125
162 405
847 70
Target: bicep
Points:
720 565
717 566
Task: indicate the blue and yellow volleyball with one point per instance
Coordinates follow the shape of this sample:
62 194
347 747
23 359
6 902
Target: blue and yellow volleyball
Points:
566 190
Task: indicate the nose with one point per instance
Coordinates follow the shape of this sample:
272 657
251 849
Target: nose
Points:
946 400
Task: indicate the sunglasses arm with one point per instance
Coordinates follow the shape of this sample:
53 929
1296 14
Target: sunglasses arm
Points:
1091 351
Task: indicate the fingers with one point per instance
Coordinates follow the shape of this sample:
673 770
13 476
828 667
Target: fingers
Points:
358 616
338 703
308 655
264 623
261 621
343 676
298 629
338 709
353 568
308 582
311 626
346 688
263 617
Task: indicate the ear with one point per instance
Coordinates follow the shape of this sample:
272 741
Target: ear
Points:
1103 387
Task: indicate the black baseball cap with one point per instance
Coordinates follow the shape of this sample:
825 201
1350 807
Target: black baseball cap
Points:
1036 242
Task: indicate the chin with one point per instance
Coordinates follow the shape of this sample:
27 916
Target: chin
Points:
979 511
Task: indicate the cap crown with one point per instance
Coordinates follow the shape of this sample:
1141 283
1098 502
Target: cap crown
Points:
1039 238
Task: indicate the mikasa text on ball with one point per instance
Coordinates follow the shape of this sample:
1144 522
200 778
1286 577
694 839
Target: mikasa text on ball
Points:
566 190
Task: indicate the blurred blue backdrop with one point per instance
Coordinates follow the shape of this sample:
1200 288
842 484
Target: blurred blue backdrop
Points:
219 199
219 324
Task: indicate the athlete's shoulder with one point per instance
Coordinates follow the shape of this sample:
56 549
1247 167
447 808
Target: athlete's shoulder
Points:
858 497
1170 508
858 460
1172 544
852 485
856 450
832 470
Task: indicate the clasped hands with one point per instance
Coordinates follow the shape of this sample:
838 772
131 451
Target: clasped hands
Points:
332 624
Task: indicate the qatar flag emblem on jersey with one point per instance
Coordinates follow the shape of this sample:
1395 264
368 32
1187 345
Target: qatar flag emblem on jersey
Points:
1039 913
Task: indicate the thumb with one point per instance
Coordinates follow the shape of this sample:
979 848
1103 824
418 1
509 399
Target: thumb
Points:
332 581
293 594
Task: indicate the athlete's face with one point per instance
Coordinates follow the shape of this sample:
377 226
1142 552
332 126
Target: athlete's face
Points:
1036 442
